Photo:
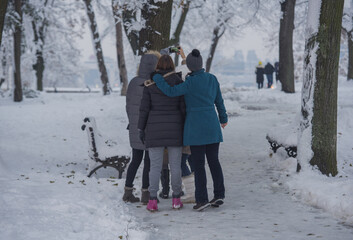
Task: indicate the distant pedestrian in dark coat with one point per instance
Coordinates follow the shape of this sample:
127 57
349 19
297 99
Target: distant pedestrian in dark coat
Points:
260 75
133 100
277 70
161 124
269 69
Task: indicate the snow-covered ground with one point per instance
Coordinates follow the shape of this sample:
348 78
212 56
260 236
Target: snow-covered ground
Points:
45 194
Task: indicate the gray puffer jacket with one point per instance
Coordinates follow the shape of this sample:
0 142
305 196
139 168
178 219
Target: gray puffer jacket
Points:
134 93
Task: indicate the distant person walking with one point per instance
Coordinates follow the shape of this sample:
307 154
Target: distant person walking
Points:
277 71
260 75
269 69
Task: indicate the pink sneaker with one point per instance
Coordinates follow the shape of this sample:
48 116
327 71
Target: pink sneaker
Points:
177 204
152 206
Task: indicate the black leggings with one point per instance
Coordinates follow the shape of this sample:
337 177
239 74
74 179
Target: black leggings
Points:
137 156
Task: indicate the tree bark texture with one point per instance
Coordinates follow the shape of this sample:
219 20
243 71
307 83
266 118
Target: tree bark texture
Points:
324 92
3 7
286 62
97 46
39 65
350 56
215 39
155 36
17 53
324 121
120 50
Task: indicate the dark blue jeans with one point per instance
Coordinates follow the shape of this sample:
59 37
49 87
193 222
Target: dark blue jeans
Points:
198 157
136 160
269 80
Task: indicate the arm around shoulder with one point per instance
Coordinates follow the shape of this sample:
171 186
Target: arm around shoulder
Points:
177 90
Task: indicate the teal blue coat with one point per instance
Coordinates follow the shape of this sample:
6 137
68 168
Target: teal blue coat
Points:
201 93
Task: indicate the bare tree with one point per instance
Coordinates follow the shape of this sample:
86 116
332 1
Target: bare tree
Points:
120 48
176 36
17 52
230 16
97 46
152 31
3 7
39 25
286 62
318 137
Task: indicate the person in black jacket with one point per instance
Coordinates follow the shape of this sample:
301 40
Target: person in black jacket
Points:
269 69
260 75
161 124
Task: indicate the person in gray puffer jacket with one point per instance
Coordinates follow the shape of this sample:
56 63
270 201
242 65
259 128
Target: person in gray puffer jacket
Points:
133 100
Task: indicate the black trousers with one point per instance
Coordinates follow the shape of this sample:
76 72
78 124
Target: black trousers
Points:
198 156
136 160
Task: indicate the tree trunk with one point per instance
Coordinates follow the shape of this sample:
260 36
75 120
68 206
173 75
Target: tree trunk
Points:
39 65
286 62
350 56
120 50
3 7
97 47
214 44
155 36
132 36
17 53
319 97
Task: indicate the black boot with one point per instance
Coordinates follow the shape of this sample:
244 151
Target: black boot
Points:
145 196
165 184
129 196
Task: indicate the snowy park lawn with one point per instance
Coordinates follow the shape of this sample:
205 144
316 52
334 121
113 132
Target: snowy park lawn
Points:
45 192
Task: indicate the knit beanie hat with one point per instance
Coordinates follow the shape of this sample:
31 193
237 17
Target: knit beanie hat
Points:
194 60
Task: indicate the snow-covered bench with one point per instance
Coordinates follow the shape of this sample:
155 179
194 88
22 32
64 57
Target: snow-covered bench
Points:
104 152
286 137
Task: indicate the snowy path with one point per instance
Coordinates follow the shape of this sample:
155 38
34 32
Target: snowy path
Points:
253 209
45 194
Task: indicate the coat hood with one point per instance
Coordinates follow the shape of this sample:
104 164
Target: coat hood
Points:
148 64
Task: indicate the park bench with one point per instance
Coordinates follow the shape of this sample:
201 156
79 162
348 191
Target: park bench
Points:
103 152
286 138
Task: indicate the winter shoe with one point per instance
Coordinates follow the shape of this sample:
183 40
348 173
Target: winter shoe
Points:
165 184
177 204
201 206
189 189
152 205
145 196
128 196
216 202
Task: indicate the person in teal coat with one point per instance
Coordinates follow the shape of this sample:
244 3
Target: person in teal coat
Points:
202 129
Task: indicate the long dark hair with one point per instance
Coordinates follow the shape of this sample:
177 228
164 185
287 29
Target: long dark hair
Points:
165 62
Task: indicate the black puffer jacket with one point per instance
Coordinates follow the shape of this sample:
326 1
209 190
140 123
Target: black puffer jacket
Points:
162 117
